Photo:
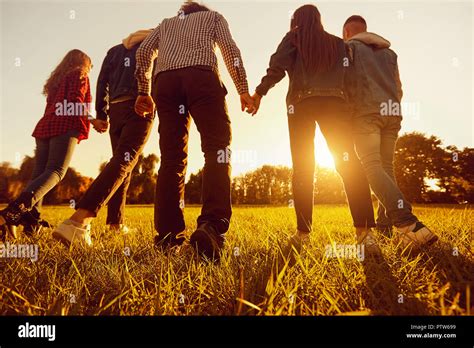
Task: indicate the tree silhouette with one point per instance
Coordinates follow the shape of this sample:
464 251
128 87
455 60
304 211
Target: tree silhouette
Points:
143 181
192 190
417 158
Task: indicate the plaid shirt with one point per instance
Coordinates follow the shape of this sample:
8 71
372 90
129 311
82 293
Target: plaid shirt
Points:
67 109
189 40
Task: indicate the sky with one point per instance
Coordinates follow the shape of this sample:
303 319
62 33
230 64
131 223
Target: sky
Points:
433 40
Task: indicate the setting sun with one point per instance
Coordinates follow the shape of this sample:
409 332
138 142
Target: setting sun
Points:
322 154
174 162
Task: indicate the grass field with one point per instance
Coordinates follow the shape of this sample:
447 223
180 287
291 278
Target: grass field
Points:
126 275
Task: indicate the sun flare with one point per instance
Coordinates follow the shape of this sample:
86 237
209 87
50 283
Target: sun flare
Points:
322 154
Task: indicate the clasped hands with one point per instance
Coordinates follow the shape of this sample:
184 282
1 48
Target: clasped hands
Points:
250 104
144 104
100 126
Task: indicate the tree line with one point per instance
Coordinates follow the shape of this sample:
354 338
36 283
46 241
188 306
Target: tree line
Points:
419 161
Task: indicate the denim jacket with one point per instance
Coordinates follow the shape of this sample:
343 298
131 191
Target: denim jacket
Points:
372 80
302 83
116 78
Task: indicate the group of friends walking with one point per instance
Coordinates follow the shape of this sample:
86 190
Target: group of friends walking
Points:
171 71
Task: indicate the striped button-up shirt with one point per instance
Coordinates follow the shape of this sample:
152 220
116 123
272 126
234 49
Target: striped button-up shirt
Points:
189 40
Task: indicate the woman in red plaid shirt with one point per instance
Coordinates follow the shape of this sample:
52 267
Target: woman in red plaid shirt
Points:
66 121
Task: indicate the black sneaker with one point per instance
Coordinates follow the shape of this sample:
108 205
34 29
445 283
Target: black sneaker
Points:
32 222
207 241
31 230
169 240
13 213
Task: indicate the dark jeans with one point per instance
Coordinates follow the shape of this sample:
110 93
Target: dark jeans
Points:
52 158
179 94
375 137
128 132
333 118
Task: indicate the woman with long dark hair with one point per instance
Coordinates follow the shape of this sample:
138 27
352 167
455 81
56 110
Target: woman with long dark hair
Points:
315 62
64 124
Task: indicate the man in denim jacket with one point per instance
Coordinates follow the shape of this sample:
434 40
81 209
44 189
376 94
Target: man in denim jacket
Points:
375 92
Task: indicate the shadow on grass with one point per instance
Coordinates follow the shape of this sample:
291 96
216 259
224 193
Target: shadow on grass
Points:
383 295
457 270
453 269
258 287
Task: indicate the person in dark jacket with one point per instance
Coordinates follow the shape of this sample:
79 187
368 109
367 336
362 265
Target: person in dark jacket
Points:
375 92
116 94
315 62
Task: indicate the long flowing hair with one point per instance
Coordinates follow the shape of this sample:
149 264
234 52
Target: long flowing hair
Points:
73 60
317 47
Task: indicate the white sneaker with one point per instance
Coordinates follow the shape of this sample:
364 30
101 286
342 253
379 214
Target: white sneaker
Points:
415 235
67 233
365 237
123 229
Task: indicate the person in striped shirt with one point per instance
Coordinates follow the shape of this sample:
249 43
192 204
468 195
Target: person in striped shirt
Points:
187 84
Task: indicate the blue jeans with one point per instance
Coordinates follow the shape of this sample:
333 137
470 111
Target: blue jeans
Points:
52 158
375 137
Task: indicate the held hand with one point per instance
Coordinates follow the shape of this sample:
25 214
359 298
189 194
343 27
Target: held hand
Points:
100 126
144 105
256 101
247 103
